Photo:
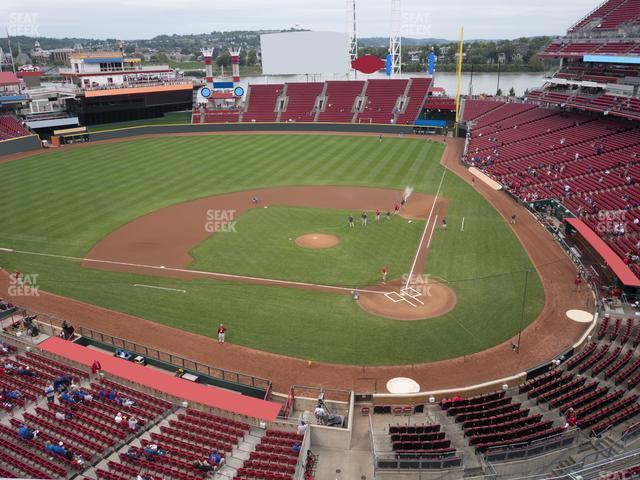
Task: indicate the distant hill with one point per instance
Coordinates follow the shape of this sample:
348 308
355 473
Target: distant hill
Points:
384 41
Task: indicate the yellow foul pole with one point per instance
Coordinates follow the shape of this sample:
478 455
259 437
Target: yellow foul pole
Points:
459 76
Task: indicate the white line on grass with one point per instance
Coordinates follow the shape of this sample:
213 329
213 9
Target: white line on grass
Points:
426 227
462 226
268 281
433 229
160 288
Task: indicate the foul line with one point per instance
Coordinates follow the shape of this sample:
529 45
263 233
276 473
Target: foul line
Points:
433 229
160 288
272 281
426 227
462 226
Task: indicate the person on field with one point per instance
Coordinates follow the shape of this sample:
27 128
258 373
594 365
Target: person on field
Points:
396 209
351 223
444 223
385 272
221 331
377 215
577 282
388 215
513 218
363 219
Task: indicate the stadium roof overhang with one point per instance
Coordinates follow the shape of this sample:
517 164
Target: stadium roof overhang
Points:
622 271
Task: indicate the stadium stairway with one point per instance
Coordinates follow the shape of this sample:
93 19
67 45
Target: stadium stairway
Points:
454 433
323 94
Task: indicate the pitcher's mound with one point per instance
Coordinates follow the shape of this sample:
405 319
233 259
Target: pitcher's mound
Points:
317 240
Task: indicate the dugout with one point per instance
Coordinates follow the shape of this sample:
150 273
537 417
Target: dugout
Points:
69 136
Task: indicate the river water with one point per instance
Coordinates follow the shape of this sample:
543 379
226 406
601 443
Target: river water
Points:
486 83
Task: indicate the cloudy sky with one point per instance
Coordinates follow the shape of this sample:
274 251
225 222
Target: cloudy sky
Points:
132 19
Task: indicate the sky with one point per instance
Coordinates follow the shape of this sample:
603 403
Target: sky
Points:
139 19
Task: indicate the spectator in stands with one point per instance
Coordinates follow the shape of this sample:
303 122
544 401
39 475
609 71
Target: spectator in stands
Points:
118 418
25 433
112 394
296 447
570 418
56 449
302 427
69 398
49 392
133 424
126 402
96 367
62 416
13 394
62 383
102 393
152 451
25 371
203 466
215 459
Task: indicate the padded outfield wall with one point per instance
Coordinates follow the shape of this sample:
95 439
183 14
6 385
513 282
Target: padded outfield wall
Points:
25 144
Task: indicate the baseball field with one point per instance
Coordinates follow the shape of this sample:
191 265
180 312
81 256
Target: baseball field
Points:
75 204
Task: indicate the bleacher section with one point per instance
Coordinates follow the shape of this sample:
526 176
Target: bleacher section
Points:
297 102
80 429
262 103
301 102
417 96
10 127
382 96
341 97
590 164
493 421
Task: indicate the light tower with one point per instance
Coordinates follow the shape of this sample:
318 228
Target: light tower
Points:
235 63
351 28
207 53
395 40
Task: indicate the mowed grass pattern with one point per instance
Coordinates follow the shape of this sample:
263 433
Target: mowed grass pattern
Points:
263 245
66 201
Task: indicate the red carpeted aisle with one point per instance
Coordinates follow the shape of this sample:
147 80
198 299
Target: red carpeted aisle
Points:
163 382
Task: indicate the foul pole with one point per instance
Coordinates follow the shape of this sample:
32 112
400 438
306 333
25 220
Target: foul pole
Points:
459 77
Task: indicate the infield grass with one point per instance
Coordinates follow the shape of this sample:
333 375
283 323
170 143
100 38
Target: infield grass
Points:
67 200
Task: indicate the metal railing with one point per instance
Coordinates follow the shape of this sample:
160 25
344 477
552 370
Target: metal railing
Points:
523 451
175 360
398 461
48 325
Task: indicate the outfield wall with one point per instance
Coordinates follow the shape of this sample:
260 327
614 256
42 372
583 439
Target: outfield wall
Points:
19 145
26 144
251 127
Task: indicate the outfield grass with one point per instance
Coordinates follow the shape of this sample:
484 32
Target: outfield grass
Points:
69 199
167 119
263 245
